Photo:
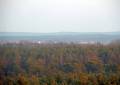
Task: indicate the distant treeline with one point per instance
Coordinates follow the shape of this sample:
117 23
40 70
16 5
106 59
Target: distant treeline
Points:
60 64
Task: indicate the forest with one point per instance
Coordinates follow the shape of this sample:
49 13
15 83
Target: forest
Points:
60 64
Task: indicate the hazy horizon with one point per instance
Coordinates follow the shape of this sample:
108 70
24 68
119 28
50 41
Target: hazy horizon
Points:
60 31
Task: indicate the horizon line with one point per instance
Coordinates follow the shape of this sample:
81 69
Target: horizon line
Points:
63 32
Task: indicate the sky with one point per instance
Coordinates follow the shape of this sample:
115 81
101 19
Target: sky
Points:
59 16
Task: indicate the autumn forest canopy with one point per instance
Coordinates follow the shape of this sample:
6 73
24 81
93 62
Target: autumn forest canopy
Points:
60 64
59 42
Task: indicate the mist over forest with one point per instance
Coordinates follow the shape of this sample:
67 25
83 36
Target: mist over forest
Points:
59 42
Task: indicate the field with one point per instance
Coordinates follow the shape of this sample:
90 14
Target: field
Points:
60 64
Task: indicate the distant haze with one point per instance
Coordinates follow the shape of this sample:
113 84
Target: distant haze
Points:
59 15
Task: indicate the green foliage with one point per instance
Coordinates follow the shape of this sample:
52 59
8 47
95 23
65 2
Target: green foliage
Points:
59 64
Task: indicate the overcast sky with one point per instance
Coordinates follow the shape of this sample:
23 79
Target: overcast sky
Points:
59 15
